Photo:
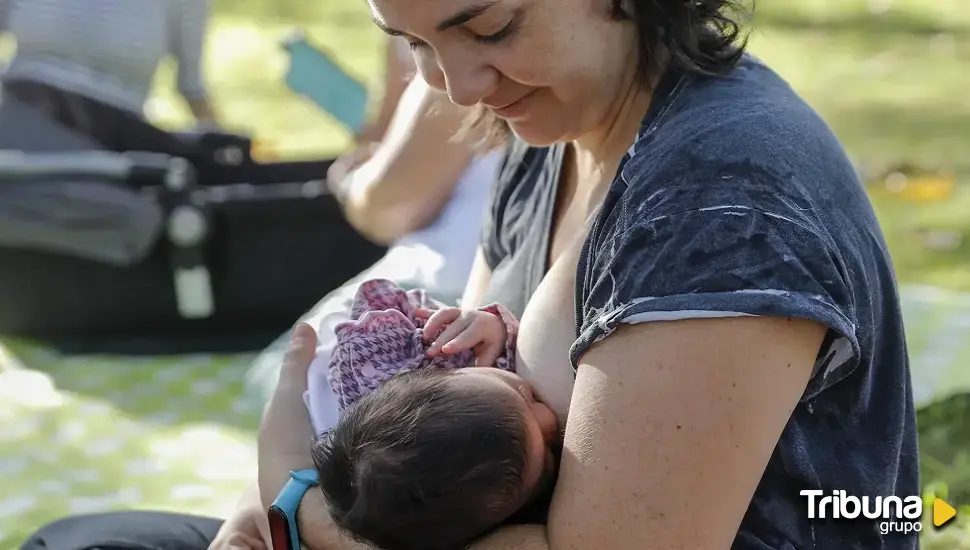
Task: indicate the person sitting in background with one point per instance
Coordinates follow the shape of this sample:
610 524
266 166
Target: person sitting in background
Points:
89 65
389 190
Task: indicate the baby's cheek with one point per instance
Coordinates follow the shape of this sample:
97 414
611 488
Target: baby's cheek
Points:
547 422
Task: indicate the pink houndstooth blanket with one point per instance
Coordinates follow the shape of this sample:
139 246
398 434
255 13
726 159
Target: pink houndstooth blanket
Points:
385 337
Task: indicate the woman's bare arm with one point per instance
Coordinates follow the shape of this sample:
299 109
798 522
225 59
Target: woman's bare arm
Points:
656 420
285 431
404 185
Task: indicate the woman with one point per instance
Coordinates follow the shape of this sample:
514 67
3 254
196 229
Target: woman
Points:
695 237
90 65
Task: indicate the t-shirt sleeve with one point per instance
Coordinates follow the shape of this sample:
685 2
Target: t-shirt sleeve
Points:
726 261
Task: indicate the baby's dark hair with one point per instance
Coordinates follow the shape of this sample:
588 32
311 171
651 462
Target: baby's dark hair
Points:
423 463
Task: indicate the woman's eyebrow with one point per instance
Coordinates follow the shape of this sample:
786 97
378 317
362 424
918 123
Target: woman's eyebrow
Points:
459 18
466 15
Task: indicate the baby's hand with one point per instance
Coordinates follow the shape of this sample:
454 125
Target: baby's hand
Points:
466 329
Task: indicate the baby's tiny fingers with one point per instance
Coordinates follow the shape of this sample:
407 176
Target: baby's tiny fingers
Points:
440 318
422 312
467 339
488 354
454 329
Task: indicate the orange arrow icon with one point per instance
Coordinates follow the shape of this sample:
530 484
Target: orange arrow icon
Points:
942 512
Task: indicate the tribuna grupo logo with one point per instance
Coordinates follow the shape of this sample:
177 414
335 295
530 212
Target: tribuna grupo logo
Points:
894 514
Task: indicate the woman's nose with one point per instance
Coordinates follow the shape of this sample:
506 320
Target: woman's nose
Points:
467 81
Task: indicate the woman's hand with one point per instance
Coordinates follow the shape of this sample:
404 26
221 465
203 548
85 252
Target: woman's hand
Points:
247 528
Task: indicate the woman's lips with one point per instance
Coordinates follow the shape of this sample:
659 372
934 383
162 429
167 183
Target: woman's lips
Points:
515 109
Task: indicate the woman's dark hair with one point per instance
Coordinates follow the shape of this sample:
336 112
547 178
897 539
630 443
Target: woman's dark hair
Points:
695 36
423 464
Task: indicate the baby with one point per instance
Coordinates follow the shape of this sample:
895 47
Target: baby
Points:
430 451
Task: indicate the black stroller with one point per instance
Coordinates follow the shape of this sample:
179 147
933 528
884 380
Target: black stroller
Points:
131 253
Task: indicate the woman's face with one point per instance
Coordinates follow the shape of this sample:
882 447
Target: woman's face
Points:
550 68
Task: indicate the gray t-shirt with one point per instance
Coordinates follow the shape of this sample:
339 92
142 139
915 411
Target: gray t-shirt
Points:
736 199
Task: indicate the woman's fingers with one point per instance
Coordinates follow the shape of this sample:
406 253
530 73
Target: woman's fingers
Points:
439 319
299 353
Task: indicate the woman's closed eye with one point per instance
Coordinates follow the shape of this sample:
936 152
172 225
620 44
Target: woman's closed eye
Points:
483 38
501 34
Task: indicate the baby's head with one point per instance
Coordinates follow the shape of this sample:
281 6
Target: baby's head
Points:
435 458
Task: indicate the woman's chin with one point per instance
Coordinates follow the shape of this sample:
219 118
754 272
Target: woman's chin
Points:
533 133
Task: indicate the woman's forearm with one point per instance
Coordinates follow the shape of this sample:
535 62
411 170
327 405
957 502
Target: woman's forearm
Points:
412 174
515 537
282 430
285 431
383 215
318 531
